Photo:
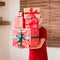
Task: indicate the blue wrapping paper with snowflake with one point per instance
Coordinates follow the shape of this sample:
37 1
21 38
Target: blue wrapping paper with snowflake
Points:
21 37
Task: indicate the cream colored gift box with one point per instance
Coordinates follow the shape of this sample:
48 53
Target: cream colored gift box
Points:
32 12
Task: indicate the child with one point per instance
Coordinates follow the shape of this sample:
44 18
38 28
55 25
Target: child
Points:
39 52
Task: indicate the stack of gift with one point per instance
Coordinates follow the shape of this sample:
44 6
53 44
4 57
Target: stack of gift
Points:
20 34
26 29
31 16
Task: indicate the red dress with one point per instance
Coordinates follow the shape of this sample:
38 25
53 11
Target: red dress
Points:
41 53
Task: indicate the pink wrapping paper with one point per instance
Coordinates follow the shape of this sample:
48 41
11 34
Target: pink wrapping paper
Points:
19 22
25 41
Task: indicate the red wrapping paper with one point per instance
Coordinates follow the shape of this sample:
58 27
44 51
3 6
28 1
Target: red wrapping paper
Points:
34 33
31 23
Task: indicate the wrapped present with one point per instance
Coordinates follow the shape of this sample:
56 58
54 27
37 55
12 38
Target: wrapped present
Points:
31 23
25 37
31 12
21 37
19 21
34 37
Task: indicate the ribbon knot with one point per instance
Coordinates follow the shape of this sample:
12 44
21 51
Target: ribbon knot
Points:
32 13
20 37
32 23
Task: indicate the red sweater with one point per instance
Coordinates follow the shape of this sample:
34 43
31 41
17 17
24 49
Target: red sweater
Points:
41 53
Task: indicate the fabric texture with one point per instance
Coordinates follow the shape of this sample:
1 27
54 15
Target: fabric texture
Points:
41 53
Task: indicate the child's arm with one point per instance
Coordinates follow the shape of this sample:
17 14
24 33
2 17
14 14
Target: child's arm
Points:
42 40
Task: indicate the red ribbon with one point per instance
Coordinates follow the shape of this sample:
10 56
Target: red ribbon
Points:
32 13
33 22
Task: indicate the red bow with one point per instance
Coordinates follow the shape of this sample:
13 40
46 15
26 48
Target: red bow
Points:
32 13
32 23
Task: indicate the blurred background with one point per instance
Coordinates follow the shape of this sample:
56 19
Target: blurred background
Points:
51 21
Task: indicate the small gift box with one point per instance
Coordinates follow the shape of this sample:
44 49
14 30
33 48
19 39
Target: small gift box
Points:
32 12
19 21
31 23
34 37
21 37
